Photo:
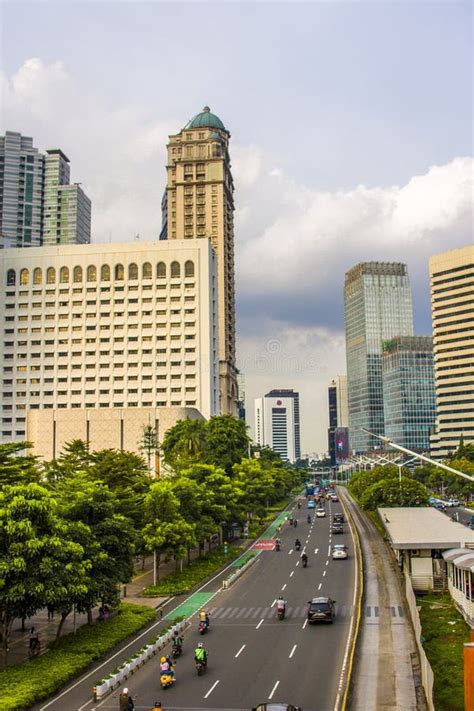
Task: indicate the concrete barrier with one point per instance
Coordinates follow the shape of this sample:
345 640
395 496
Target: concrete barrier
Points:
230 580
427 676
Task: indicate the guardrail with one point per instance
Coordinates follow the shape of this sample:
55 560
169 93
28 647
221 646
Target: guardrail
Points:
230 580
106 686
427 677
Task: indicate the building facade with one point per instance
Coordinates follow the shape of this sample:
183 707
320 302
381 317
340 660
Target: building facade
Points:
377 307
37 204
199 203
409 391
337 411
108 326
452 308
277 423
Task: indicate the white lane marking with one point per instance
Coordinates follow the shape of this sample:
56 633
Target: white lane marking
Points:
284 586
274 601
84 705
292 651
211 689
327 562
324 573
316 550
273 690
292 573
240 650
304 550
261 621
320 586
305 623
290 551
297 562
329 550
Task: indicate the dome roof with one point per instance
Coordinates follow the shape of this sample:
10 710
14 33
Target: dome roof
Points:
216 136
205 120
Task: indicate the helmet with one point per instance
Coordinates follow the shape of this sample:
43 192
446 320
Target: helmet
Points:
162 660
200 645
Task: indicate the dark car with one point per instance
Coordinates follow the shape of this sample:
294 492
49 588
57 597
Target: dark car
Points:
471 523
321 609
276 707
339 517
337 527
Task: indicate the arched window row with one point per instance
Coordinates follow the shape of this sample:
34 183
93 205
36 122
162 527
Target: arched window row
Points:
63 274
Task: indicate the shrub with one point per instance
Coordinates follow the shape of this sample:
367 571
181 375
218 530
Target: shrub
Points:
24 684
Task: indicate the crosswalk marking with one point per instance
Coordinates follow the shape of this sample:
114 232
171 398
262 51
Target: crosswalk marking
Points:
299 611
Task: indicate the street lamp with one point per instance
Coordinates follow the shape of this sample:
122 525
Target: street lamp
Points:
419 456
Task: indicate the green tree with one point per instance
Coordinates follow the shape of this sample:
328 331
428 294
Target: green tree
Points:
149 445
74 457
227 442
39 563
391 492
256 485
184 444
166 532
363 480
107 537
15 466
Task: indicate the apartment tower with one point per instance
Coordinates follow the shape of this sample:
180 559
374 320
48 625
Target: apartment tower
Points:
377 307
337 411
452 287
199 203
277 423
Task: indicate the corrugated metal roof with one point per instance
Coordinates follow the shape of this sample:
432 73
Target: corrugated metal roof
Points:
461 557
411 527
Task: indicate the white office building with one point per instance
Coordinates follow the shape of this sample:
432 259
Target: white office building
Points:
107 326
277 423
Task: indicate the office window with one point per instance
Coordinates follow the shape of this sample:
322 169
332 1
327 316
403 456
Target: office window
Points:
119 272
147 271
91 273
77 275
11 277
175 269
37 276
132 271
24 277
161 270
105 273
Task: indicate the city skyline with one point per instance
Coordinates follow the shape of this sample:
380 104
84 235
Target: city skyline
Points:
388 179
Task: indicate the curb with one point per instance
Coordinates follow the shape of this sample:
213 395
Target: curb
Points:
348 663
227 582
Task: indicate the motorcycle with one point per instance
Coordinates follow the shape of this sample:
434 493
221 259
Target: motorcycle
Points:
281 612
176 651
295 523
277 546
201 667
308 518
202 629
305 562
297 546
299 505
167 680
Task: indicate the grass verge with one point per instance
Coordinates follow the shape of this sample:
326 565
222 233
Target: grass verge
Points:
197 571
24 684
443 635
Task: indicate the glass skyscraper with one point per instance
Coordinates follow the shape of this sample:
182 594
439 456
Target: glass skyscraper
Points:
409 394
377 307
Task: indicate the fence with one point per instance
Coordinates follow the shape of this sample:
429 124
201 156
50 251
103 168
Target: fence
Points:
426 670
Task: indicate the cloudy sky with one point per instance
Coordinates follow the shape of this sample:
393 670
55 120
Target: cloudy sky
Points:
351 129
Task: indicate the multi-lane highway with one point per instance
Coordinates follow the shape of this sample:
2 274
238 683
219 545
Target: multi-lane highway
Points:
254 657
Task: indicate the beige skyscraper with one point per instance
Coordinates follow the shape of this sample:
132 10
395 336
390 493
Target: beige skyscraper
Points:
452 287
199 203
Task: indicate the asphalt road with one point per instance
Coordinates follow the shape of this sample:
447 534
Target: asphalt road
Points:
254 657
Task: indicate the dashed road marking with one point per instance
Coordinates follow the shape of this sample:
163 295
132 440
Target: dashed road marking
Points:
274 689
324 573
292 651
305 623
320 586
284 586
260 623
211 689
240 650
316 550
292 573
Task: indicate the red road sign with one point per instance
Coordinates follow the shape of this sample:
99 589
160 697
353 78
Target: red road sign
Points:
264 545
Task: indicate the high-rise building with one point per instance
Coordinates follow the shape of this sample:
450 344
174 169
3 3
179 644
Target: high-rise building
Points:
21 191
338 412
277 423
66 208
37 203
199 203
108 326
241 399
377 307
452 308
409 391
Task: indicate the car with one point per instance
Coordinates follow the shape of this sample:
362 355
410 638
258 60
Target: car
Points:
311 504
339 551
277 707
337 527
339 517
334 498
471 523
321 513
439 506
452 502
321 609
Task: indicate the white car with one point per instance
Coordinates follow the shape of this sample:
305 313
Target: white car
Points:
321 513
339 551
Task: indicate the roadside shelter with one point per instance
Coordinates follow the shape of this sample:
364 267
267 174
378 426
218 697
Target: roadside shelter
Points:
460 562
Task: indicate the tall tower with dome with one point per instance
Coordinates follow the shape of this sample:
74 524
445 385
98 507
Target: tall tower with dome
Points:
199 203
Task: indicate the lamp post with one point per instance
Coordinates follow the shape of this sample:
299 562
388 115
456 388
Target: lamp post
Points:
420 456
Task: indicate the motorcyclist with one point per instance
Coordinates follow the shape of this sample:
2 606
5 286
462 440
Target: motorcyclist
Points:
204 617
304 559
299 504
278 543
177 640
200 654
157 706
281 604
308 518
166 666
295 522
297 543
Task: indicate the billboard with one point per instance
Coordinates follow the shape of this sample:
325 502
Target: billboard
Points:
341 437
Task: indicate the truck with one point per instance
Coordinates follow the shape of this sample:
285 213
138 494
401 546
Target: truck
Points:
309 489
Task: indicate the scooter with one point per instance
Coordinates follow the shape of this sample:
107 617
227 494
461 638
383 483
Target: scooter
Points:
281 613
176 650
201 667
295 523
297 546
167 680
277 546
304 562
202 629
